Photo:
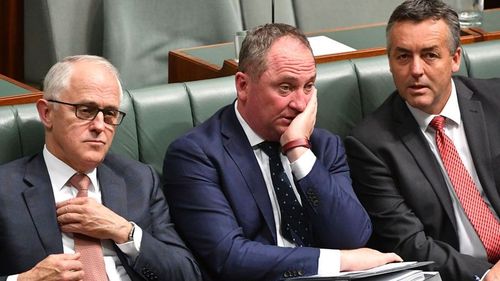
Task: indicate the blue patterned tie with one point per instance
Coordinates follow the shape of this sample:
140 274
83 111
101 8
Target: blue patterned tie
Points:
294 225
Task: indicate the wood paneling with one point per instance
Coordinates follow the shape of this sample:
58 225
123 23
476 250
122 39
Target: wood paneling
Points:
11 39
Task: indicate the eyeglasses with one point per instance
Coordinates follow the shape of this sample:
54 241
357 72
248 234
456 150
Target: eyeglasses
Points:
89 112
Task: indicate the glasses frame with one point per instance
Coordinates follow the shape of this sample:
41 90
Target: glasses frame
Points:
120 117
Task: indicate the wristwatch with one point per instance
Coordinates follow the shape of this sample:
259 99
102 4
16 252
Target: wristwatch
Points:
131 233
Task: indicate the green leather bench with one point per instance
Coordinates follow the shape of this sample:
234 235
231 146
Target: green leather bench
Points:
347 91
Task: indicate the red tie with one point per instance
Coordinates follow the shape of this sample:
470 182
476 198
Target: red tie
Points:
89 247
481 217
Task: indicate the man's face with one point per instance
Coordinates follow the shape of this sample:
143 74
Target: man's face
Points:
421 63
270 102
82 144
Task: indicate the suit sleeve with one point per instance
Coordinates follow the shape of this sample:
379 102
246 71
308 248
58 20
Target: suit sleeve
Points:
205 218
338 219
163 255
396 225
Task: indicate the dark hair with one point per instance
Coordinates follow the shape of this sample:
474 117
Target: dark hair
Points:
420 10
252 59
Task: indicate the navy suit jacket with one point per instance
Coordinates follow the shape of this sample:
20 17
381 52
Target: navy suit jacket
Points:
221 206
399 181
29 231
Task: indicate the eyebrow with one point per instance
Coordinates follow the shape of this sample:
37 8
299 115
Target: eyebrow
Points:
431 48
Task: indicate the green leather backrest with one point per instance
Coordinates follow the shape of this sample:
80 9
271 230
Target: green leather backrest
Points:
9 135
138 35
207 96
314 15
163 113
126 141
338 97
483 59
21 132
374 80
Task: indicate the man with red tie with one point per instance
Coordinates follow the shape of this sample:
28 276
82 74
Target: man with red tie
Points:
425 163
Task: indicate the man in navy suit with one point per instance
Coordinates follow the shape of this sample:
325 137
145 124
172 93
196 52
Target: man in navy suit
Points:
219 184
397 167
125 210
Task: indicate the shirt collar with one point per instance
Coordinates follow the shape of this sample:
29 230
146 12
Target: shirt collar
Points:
252 137
60 172
451 111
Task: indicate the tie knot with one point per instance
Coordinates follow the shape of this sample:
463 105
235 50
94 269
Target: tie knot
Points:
81 182
272 149
438 122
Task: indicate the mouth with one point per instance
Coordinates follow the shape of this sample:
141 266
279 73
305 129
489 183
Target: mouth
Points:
417 88
95 142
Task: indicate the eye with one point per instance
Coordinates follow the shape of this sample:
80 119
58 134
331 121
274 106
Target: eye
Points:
110 113
285 88
402 57
431 56
86 111
308 88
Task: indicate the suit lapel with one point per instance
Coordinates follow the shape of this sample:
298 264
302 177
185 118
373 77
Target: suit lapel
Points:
411 136
477 138
40 202
239 149
113 190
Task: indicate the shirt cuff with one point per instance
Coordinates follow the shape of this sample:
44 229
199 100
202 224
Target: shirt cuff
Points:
328 262
132 248
302 166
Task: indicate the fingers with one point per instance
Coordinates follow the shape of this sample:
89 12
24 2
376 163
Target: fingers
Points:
392 257
365 258
56 267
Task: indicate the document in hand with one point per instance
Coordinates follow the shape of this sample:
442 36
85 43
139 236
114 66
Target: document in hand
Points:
380 271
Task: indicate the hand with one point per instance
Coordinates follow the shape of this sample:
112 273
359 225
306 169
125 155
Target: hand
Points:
302 125
494 273
55 267
365 258
84 215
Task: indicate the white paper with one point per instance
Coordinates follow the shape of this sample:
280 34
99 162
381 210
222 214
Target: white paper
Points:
322 45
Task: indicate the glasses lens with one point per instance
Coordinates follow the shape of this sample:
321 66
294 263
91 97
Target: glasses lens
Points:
86 112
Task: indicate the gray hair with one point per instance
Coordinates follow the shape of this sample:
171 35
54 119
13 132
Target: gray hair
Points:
420 10
252 59
59 75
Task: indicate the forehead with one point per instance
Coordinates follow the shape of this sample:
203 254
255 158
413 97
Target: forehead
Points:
290 57
424 34
91 82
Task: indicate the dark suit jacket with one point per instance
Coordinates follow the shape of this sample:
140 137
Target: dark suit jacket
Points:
29 230
221 205
400 183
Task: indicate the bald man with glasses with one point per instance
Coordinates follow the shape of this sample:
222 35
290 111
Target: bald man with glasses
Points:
75 212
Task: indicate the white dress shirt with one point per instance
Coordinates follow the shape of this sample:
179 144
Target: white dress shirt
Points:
329 259
469 241
60 173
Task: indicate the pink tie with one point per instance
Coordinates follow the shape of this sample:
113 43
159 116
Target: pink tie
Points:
89 248
481 217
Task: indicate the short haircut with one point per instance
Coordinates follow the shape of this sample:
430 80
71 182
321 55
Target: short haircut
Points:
254 49
59 75
421 10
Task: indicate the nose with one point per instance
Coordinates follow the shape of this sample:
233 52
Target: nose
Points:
98 123
299 100
417 67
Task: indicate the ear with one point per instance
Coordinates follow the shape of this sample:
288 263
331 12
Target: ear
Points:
44 112
456 58
241 81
